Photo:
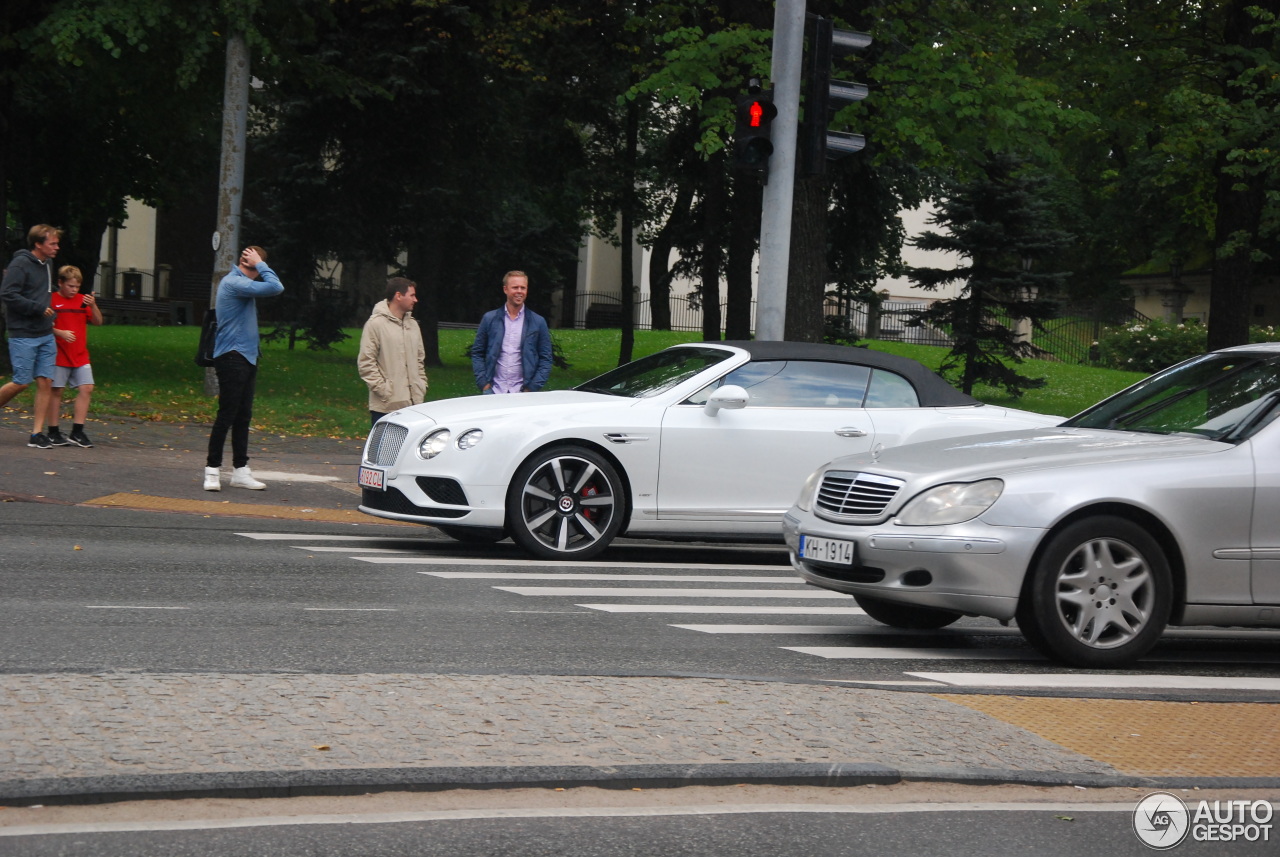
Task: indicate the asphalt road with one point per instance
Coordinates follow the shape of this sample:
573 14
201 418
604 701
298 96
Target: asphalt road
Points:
1047 829
89 589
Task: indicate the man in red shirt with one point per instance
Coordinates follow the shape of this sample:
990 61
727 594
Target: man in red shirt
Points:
70 329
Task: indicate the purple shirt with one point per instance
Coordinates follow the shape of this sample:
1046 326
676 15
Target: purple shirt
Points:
508 375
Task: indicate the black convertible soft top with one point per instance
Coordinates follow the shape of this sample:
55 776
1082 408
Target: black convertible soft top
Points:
931 388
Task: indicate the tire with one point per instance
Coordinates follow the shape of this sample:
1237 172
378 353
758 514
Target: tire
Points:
565 503
906 616
473 535
1099 595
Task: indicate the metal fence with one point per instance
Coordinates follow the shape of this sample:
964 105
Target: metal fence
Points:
1071 336
594 310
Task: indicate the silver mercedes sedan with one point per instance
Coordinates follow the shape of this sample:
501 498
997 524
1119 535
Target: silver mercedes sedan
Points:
1158 506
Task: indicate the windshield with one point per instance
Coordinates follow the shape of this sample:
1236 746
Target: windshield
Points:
1225 396
656 373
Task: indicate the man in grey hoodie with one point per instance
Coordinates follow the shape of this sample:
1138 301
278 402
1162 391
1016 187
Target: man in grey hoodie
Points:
25 293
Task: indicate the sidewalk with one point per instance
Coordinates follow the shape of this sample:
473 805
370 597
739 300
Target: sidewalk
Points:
81 738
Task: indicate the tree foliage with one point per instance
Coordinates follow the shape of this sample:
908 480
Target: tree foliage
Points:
999 225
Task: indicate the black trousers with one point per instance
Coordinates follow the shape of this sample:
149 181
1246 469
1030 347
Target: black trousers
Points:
237 378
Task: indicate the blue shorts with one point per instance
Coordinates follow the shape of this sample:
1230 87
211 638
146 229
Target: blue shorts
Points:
32 358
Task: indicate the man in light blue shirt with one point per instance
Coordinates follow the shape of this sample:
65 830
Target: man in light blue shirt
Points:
512 352
235 359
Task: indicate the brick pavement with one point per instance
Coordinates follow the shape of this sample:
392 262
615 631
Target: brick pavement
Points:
68 734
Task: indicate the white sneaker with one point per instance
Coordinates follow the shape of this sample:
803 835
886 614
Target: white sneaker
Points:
242 478
212 479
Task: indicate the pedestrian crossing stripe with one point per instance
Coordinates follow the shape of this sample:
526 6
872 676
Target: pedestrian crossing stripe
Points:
643 578
673 592
738 609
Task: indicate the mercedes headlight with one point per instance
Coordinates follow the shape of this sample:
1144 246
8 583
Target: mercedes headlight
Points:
810 489
953 503
434 443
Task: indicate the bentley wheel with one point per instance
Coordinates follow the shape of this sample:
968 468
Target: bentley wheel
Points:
1099 596
906 615
565 503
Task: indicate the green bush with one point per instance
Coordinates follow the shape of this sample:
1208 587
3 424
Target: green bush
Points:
1149 346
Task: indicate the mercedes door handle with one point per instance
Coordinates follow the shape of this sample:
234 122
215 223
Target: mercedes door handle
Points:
850 432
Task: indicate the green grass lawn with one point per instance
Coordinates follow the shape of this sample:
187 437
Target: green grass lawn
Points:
149 373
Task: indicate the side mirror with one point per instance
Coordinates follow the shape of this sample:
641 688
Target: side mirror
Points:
730 397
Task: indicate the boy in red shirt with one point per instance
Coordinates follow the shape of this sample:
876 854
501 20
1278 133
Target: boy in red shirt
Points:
70 329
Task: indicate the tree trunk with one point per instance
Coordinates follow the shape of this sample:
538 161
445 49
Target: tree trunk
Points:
660 275
1239 212
744 233
712 220
807 267
627 229
423 267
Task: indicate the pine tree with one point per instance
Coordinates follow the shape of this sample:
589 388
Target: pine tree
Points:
1001 224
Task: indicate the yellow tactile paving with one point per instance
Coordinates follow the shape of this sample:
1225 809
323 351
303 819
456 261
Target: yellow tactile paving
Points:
227 507
1207 739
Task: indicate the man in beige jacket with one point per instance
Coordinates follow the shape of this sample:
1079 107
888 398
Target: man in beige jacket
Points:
392 357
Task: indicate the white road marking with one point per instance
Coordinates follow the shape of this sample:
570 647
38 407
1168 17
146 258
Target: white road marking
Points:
559 812
309 537
346 549
638 592
840 630
649 578
879 683
282 476
911 653
721 608
555 563
1125 681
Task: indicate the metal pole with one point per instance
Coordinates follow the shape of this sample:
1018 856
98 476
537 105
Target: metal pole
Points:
235 120
775 219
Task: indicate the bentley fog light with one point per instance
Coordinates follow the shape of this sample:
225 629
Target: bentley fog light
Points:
434 443
805 501
470 438
953 503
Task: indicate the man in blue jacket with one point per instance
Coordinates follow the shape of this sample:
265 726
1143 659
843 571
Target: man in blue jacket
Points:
235 359
25 292
512 351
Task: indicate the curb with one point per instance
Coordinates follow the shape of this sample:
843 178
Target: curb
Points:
355 781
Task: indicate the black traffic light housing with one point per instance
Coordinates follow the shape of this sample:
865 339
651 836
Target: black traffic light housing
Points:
753 124
824 96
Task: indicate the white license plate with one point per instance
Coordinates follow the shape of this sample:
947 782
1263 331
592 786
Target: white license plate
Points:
372 477
827 550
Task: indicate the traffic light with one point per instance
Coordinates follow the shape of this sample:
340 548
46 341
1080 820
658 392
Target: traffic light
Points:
753 122
824 96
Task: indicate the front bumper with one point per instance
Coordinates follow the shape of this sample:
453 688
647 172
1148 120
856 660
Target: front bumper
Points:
436 500
970 568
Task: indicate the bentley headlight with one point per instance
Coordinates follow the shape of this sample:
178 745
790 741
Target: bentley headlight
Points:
805 502
469 439
434 443
953 503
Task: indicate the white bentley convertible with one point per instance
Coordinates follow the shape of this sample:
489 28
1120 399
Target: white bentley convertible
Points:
705 440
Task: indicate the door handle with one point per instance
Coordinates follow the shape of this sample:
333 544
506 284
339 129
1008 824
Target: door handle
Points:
849 431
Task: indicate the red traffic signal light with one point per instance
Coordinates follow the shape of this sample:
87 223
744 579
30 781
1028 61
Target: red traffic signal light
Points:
752 127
